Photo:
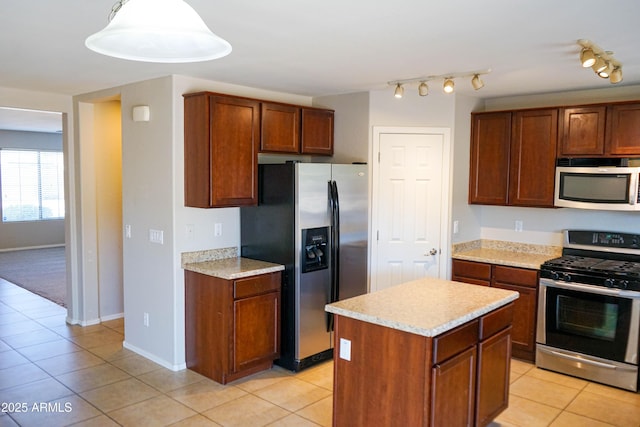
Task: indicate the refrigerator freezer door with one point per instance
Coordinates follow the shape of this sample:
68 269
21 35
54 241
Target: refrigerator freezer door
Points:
353 190
313 288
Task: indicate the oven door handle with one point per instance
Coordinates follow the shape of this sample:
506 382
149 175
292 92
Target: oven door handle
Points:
579 359
591 289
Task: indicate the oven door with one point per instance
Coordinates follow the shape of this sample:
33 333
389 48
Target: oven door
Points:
591 320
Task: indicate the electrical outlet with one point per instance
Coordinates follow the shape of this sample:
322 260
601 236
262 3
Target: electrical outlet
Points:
518 225
456 227
145 319
127 231
345 349
217 229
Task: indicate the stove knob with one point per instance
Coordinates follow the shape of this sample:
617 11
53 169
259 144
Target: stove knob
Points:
609 283
566 277
624 284
554 275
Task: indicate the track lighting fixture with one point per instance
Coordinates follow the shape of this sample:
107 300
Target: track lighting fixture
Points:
476 82
600 61
447 86
423 89
399 91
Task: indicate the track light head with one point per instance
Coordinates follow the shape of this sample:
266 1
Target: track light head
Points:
616 75
476 82
448 85
399 91
606 71
599 65
587 57
423 89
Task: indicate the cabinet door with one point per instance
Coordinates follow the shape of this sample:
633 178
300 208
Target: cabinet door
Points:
256 326
525 282
235 135
489 168
623 130
317 131
533 158
494 361
280 128
453 384
476 273
582 131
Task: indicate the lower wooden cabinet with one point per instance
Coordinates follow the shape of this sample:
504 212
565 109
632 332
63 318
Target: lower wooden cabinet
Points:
232 326
458 378
522 280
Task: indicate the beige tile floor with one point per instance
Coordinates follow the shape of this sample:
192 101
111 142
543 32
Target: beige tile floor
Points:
54 374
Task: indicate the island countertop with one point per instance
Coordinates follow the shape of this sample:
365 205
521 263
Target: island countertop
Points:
426 307
233 268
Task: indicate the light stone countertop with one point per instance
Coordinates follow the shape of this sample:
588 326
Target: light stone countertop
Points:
506 253
426 307
233 268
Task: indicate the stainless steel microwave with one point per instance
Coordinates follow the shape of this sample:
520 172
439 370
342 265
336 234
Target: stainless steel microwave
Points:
597 187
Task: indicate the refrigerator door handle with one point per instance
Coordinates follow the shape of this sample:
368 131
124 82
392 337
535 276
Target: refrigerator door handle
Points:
335 248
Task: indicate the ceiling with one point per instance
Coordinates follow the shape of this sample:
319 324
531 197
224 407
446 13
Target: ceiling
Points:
315 48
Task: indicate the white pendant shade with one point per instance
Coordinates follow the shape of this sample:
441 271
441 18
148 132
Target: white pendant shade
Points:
167 31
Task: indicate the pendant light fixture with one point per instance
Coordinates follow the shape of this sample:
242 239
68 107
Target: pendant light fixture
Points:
166 31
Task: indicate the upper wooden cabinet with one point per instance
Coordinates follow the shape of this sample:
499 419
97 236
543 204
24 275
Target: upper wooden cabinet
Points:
513 157
532 169
296 130
280 128
623 130
582 131
610 130
221 137
317 131
489 169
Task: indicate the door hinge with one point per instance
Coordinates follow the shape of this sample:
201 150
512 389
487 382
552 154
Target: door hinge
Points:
378 157
378 235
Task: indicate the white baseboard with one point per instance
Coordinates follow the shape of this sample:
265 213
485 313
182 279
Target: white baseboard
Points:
154 358
112 317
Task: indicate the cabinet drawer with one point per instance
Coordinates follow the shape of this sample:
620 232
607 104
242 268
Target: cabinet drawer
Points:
495 321
453 342
255 285
472 270
516 276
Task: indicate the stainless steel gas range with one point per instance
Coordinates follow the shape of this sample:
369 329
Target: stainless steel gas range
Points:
589 308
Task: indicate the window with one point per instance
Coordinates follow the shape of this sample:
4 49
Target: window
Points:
32 184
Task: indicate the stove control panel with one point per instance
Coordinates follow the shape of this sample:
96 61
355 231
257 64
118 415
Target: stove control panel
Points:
603 239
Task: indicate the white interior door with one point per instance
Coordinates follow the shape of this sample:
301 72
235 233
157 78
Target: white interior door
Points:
410 205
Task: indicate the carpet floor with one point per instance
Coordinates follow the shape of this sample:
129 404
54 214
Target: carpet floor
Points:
41 271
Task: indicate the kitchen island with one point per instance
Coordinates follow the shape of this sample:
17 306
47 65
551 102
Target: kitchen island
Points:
429 352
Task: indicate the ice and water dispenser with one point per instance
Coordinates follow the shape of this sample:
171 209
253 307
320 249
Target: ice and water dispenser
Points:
315 249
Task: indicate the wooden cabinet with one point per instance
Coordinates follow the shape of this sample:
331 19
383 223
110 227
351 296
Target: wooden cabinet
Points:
280 128
489 169
522 280
296 130
454 379
532 169
221 137
317 131
623 130
232 326
513 158
582 131
609 130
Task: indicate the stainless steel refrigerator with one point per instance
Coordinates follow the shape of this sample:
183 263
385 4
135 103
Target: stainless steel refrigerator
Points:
312 218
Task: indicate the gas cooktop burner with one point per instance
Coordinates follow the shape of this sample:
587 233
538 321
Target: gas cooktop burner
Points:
587 264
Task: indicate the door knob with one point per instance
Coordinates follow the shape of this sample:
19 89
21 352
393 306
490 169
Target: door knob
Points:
432 252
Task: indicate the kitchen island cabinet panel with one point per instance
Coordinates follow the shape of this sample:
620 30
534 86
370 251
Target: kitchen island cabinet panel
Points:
453 390
387 366
494 363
